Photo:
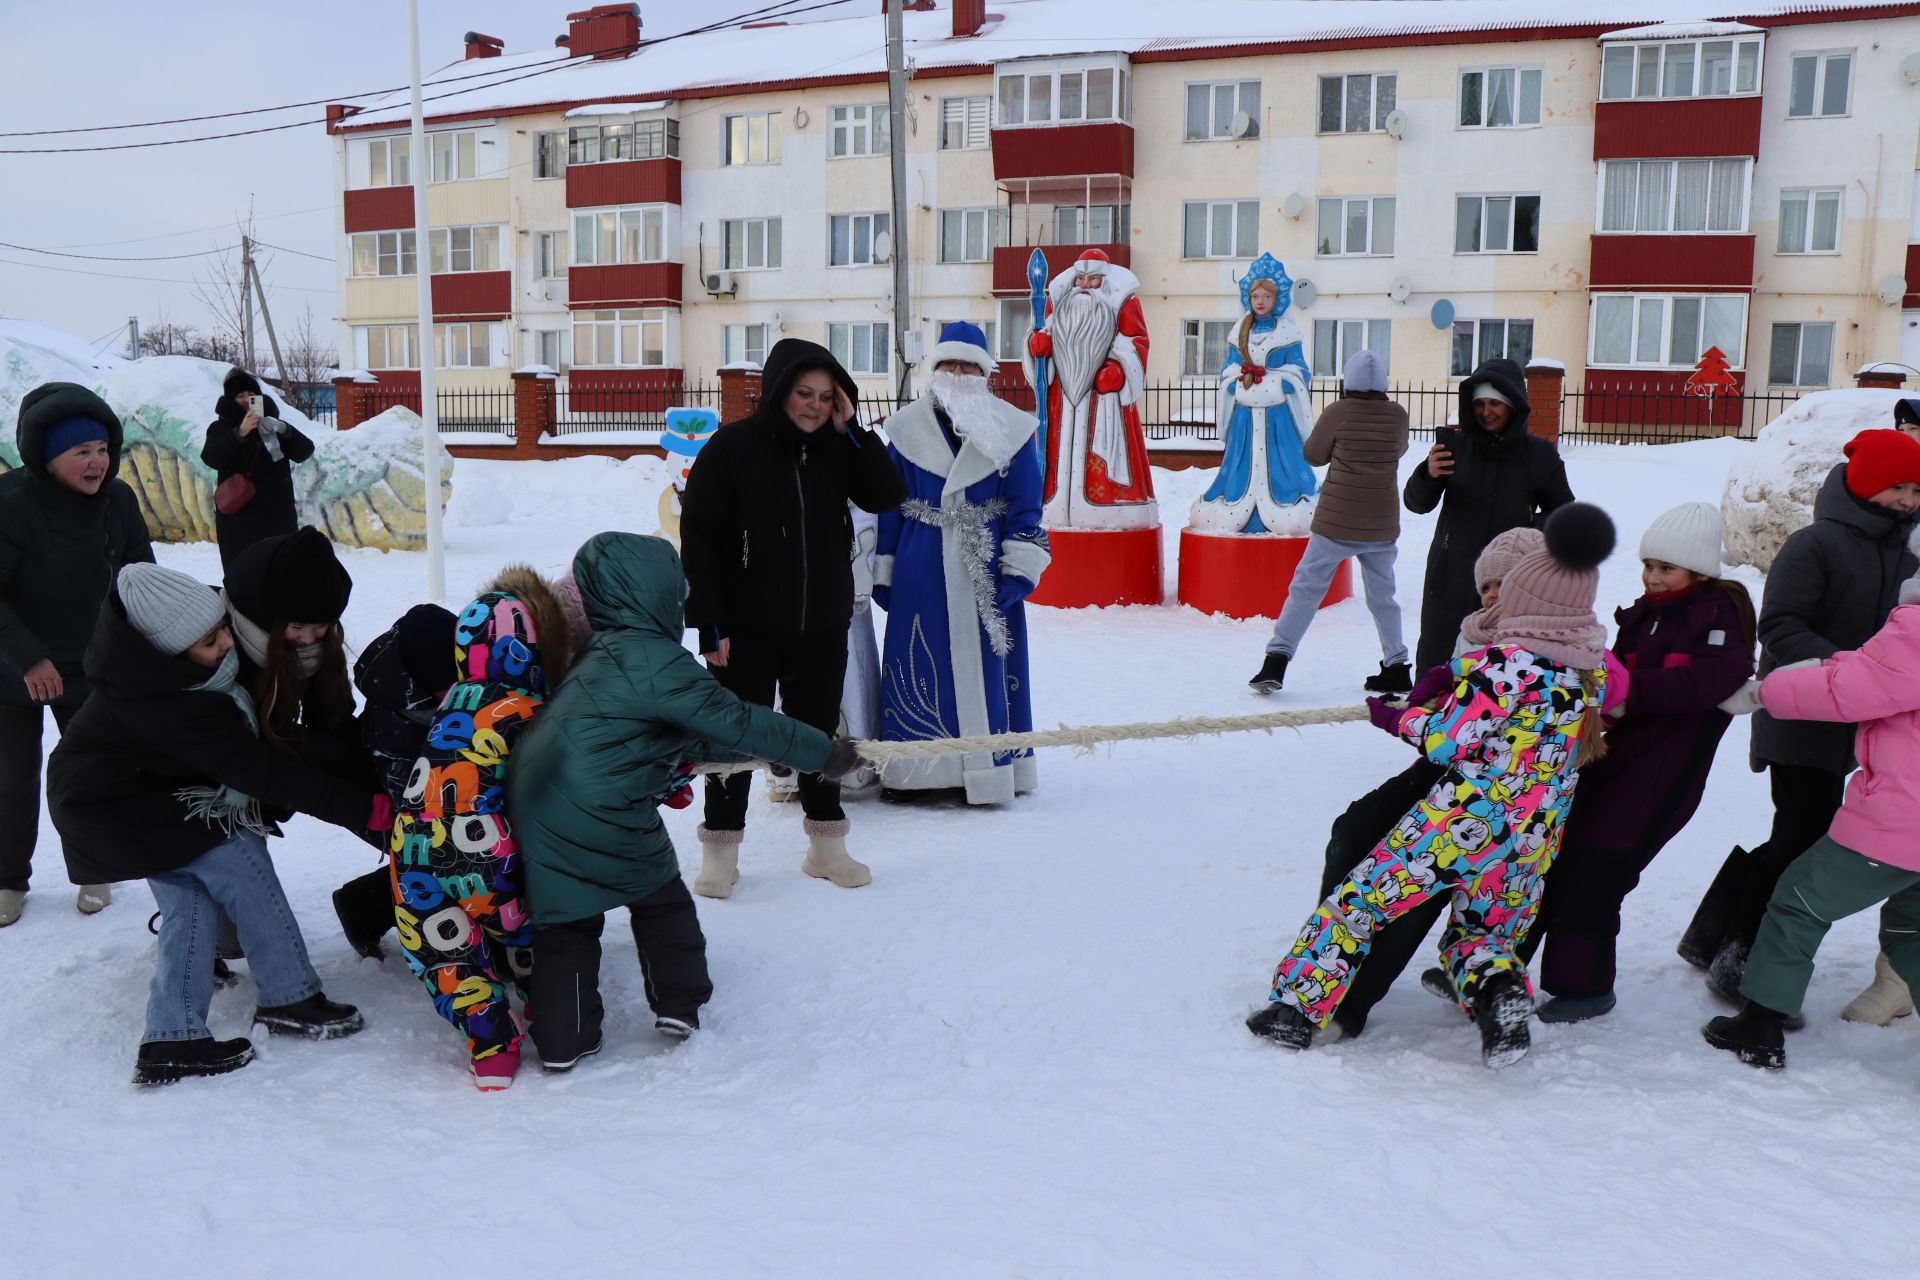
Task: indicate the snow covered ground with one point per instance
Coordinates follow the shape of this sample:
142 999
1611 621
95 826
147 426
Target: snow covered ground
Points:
1019 1052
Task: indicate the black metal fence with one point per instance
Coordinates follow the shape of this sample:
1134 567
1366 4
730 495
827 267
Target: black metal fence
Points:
1626 413
581 411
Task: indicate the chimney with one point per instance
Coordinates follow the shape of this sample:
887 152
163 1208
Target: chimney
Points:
604 31
968 17
481 46
911 6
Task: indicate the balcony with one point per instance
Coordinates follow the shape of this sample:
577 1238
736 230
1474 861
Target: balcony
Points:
378 209
1062 151
1010 264
1653 129
612 182
641 284
1671 263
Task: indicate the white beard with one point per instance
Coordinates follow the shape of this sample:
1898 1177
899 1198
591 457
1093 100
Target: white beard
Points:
979 417
1083 326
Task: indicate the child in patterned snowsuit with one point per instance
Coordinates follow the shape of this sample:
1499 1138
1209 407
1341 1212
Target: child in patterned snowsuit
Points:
457 873
1510 732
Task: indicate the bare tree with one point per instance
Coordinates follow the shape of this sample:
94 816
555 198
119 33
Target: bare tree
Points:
219 286
311 361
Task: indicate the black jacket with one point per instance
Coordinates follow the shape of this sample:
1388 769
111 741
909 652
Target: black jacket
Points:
1830 588
59 549
144 734
272 510
1499 482
764 527
393 724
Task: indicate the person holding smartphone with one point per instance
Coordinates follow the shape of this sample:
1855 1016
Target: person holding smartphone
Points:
250 447
1487 476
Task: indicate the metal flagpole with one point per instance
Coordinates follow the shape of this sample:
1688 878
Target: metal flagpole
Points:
423 258
897 133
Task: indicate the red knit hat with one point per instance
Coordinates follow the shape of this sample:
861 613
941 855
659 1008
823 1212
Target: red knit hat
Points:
1879 459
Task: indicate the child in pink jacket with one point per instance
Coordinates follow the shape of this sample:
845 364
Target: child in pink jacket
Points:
1868 855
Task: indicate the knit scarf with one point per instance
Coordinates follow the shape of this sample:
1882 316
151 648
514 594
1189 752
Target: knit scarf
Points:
1476 629
222 806
1578 643
253 638
269 431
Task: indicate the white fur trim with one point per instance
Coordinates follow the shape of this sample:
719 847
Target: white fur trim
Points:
1117 284
1910 591
1028 559
1127 356
883 571
965 352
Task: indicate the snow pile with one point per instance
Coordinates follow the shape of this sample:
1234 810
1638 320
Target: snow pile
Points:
1772 484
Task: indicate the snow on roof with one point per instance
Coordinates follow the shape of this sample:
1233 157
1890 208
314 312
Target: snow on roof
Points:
619 108
851 42
1683 31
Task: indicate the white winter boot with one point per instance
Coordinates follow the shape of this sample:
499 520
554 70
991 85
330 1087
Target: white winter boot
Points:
93 898
1885 998
719 862
827 855
12 903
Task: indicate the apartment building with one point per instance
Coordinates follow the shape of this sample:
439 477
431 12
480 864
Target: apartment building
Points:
1609 190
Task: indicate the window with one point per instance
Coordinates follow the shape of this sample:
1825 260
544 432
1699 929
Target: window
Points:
740 343
1065 97
550 349
1091 224
1680 69
852 239
1220 229
387 163
858 131
605 237
1356 104
1809 220
1674 195
388 346
551 250
861 348
1662 332
1478 340
451 156
1355 226
1211 109
1496 224
626 339
463 249
1802 355
1821 82
1335 341
550 155
750 244
384 253
649 140
462 346
971 235
752 139
1203 346
1500 97
964 122
1014 324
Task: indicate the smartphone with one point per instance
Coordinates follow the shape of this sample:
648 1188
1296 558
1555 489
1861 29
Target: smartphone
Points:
1448 438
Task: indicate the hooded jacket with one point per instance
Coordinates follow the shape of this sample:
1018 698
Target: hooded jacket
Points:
1830 588
144 734
229 453
764 524
588 776
1360 439
60 549
400 706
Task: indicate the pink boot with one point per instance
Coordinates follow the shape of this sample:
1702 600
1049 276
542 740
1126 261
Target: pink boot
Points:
495 1071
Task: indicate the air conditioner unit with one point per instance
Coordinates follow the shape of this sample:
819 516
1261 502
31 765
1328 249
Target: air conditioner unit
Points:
720 282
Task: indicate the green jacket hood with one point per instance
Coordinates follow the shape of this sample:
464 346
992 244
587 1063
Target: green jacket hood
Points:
634 582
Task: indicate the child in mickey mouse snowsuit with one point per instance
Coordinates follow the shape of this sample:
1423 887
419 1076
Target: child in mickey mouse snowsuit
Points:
1511 728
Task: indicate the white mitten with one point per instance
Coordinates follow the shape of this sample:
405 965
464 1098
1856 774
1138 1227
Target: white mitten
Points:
1745 700
1910 591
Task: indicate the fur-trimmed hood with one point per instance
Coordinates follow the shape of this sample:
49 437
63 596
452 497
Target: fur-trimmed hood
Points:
552 632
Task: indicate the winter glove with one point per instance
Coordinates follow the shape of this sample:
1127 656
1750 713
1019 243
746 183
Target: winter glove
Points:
883 596
1745 700
1110 379
1910 591
1385 715
1009 591
1040 344
380 818
842 760
679 793
1432 686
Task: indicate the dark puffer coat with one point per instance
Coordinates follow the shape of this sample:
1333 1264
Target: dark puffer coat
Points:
1830 588
272 511
1499 482
60 549
764 525
589 774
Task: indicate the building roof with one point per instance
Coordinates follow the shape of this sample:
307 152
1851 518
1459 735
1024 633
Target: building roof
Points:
846 44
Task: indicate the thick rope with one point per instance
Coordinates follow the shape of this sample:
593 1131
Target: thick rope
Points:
1084 738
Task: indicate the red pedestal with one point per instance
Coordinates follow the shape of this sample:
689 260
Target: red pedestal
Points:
1246 575
1093 567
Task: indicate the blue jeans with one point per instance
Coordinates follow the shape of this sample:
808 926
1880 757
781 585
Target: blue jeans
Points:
1314 574
237 878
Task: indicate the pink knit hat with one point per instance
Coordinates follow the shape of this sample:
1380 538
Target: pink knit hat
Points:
568 593
1503 553
1546 601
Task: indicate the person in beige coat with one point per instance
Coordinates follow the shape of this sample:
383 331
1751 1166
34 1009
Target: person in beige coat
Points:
1360 439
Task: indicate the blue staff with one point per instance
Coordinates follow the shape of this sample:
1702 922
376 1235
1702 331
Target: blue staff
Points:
1037 279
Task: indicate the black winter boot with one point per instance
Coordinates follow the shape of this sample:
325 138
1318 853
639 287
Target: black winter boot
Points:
1756 1035
1706 932
677 1028
1435 982
1272 674
1502 1008
315 1018
365 908
1397 678
1282 1024
1728 968
165 1061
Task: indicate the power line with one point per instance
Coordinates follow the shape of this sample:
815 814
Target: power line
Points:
193 231
108 257
117 275
296 252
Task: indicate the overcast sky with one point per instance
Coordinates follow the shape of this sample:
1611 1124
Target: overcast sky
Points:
71 65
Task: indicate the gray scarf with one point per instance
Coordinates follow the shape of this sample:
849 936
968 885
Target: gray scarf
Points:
222 806
253 638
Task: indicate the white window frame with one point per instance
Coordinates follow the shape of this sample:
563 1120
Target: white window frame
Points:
1482 222
858 130
737 137
843 340
1199 339
989 228
740 233
1673 197
1243 241
562 354
394 152
1477 327
550 255
1800 329
459 149
615 326
550 148
1660 309
1520 75
1812 198
1823 60
405 334
1333 343
876 225
1648 66
454 345
738 343
445 245
1013 322
585 250
615 141
970 118
1210 97
1376 121
386 247
1073 223
1043 105
1380 211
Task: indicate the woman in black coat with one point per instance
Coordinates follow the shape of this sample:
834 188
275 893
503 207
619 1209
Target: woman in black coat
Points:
67 525
765 535
247 438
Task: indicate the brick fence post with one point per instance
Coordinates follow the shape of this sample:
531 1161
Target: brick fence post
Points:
533 408
1888 377
739 390
350 399
1546 379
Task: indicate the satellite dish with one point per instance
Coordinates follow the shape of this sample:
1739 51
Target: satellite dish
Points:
1293 206
1442 314
1891 289
1242 125
1396 124
883 247
1910 69
1305 293
1400 290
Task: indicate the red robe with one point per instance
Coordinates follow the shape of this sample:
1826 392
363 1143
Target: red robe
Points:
1100 490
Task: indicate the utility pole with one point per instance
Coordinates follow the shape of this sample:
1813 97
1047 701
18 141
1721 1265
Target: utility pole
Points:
273 343
423 259
246 303
133 337
897 135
